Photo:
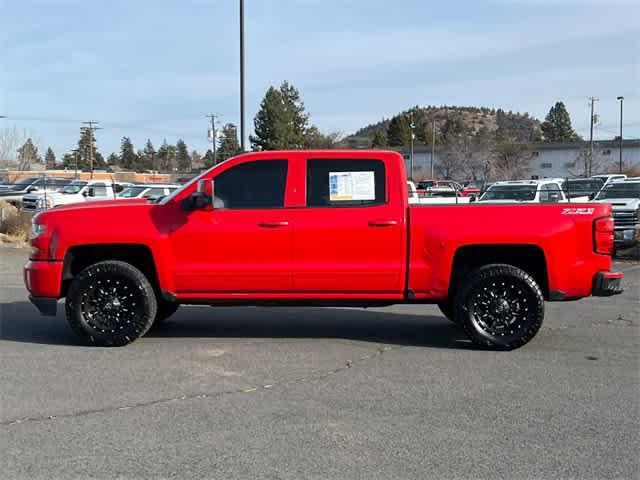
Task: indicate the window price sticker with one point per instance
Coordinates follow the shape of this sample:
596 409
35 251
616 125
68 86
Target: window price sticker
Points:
345 186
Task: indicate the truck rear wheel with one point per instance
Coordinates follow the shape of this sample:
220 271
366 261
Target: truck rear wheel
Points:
110 303
500 306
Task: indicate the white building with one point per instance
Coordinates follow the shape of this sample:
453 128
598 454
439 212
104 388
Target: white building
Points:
548 159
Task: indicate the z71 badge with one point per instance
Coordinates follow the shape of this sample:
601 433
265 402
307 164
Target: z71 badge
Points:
577 211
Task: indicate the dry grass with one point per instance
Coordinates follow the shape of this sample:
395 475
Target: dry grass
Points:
15 226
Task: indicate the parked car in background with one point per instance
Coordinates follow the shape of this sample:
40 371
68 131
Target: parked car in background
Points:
473 188
525 191
610 177
581 189
151 191
415 199
75 192
439 188
624 197
14 193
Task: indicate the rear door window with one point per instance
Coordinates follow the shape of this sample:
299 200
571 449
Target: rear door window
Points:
344 183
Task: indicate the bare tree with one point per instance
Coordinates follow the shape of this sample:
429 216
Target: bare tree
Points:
10 140
510 159
589 163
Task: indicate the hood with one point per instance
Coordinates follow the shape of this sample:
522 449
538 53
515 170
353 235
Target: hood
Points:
622 203
95 206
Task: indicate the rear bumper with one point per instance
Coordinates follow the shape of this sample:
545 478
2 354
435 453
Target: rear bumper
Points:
606 284
47 306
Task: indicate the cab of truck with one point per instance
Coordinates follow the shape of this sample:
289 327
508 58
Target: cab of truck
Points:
624 197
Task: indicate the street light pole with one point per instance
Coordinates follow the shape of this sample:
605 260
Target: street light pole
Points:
621 100
412 126
433 143
242 106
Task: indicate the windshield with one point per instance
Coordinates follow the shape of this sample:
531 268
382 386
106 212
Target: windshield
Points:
73 187
520 193
131 192
619 190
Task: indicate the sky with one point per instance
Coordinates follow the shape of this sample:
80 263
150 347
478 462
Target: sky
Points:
154 69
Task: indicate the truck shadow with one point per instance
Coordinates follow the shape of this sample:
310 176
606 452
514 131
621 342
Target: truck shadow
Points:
19 322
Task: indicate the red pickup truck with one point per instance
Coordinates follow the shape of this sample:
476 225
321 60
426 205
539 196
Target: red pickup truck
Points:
327 228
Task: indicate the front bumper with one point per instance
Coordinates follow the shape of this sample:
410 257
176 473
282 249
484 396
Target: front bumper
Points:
627 236
43 278
606 284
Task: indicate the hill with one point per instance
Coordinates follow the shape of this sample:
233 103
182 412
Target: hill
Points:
476 120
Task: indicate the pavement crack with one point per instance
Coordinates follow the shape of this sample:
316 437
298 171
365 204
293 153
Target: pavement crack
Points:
348 364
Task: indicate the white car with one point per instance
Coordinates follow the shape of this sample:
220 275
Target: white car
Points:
526 191
624 197
610 177
151 191
76 192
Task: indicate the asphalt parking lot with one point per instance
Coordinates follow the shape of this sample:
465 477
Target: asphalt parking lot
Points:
320 393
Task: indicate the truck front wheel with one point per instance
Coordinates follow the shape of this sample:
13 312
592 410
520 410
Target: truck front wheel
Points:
500 306
110 303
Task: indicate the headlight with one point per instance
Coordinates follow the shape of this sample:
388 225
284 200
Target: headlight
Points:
37 229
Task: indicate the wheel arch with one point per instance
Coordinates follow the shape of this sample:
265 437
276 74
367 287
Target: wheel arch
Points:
529 258
80 257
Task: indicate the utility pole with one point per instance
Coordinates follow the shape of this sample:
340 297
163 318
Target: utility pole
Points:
76 152
589 165
433 143
212 135
90 129
621 100
242 126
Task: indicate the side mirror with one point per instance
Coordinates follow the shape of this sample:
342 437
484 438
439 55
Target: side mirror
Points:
85 193
32 189
201 198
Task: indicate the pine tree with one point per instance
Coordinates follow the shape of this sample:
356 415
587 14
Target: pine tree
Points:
128 158
50 159
557 125
148 158
229 145
208 159
281 123
399 133
164 160
196 160
83 152
112 160
379 139
27 155
183 160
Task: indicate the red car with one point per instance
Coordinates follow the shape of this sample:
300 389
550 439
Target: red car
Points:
315 228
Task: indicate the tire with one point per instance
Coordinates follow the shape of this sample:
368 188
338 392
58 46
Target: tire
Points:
500 307
165 310
110 303
447 310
